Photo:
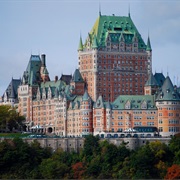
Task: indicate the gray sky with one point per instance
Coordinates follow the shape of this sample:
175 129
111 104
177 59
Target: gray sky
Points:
53 27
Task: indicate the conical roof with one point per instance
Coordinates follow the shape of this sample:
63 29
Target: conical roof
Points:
148 48
80 48
168 93
151 81
77 76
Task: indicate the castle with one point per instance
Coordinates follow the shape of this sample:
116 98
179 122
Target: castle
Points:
112 90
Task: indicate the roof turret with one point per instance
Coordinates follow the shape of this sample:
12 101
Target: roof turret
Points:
148 47
151 81
168 93
77 76
159 78
80 48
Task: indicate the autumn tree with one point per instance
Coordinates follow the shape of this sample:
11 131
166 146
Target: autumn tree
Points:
173 172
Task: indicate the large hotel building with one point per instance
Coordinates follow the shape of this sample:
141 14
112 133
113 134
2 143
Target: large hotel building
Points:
112 90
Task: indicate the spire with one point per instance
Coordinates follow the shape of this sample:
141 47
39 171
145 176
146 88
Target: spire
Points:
95 44
148 47
99 9
80 48
129 12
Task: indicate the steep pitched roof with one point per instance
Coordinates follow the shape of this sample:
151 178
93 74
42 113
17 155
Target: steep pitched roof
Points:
77 76
99 103
159 78
12 88
114 26
151 81
168 93
148 48
32 74
66 78
80 48
86 96
135 102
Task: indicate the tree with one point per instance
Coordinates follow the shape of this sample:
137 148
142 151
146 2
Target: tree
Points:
10 118
53 169
91 147
78 170
174 147
173 172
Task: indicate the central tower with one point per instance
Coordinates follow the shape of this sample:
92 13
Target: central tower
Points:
114 59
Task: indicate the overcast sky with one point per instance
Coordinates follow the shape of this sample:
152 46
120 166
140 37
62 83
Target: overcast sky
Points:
53 27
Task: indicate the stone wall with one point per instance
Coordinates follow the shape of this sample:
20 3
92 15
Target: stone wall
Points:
76 144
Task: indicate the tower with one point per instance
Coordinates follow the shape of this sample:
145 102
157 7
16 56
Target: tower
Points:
114 58
151 86
168 104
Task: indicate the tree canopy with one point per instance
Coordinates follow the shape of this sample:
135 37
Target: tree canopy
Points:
98 160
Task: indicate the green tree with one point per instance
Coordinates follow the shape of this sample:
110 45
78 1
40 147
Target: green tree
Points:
91 147
53 169
10 118
174 146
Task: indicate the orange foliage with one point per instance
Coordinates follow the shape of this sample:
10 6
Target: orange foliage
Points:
173 172
78 170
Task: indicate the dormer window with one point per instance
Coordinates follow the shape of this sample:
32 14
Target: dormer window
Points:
128 105
144 105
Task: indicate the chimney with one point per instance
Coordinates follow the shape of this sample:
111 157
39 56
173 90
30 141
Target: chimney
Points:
43 60
56 78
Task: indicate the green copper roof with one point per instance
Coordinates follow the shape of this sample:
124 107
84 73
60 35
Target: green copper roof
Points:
80 48
148 48
108 105
99 103
77 76
32 74
95 43
86 96
11 90
168 93
151 81
159 78
113 26
134 102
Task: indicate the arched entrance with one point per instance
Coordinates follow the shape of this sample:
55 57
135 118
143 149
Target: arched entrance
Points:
50 130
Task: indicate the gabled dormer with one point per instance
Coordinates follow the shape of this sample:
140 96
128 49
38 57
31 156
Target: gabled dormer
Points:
94 43
43 93
99 103
127 105
135 43
38 96
49 93
144 105
121 42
